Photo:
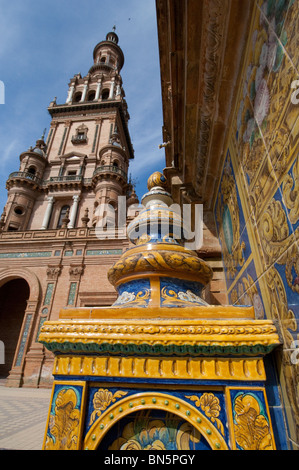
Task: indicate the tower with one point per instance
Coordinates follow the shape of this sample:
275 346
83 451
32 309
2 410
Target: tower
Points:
84 163
65 192
22 186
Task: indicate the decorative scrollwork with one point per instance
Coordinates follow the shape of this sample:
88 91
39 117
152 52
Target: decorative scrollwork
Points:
169 296
228 218
102 399
290 190
210 405
140 299
63 425
163 261
252 429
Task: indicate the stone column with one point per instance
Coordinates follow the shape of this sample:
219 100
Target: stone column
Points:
84 92
70 94
112 89
118 90
48 213
98 90
74 211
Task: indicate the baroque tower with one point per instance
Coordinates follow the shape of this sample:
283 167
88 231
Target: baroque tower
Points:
84 162
60 201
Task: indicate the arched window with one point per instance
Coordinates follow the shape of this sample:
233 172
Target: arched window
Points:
77 97
62 215
91 95
105 94
115 164
32 170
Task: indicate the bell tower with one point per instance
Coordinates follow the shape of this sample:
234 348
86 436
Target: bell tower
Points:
83 165
23 187
110 176
66 189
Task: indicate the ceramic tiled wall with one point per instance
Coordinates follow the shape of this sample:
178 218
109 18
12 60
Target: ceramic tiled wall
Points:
257 205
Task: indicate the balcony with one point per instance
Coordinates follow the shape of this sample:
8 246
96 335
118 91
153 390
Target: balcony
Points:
102 67
110 169
63 179
62 182
24 175
79 139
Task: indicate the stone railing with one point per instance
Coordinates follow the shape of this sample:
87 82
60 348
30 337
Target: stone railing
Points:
110 169
25 175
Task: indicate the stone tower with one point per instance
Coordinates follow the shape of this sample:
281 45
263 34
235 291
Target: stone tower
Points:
84 162
65 192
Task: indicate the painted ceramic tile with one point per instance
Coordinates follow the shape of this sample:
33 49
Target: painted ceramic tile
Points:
262 121
230 224
65 417
275 229
291 29
287 267
247 291
136 292
175 292
290 194
251 422
152 428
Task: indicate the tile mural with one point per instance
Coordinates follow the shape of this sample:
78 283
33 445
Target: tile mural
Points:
257 205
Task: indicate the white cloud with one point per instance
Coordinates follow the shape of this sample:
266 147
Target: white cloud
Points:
9 153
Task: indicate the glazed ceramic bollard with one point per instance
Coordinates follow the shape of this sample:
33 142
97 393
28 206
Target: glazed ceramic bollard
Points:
159 369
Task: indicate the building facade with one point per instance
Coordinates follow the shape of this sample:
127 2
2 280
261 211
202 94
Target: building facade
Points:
230 103
60 228
64 223
229 75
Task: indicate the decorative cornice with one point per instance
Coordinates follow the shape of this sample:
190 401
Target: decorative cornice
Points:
212 46
159 367
164 337
200 59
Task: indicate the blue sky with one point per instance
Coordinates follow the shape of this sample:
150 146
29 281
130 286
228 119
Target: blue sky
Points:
43 43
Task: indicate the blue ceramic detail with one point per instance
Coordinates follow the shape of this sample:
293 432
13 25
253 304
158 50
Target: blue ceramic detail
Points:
134 293
228 229
179 293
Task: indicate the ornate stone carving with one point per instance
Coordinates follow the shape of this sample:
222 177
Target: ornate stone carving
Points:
212 50
76 272
53 272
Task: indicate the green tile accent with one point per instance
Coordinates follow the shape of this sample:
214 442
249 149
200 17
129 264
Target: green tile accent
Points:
62 140
72 293
95 138
27 254
23 340
68 253
103 252
49 136
41 322
49 292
